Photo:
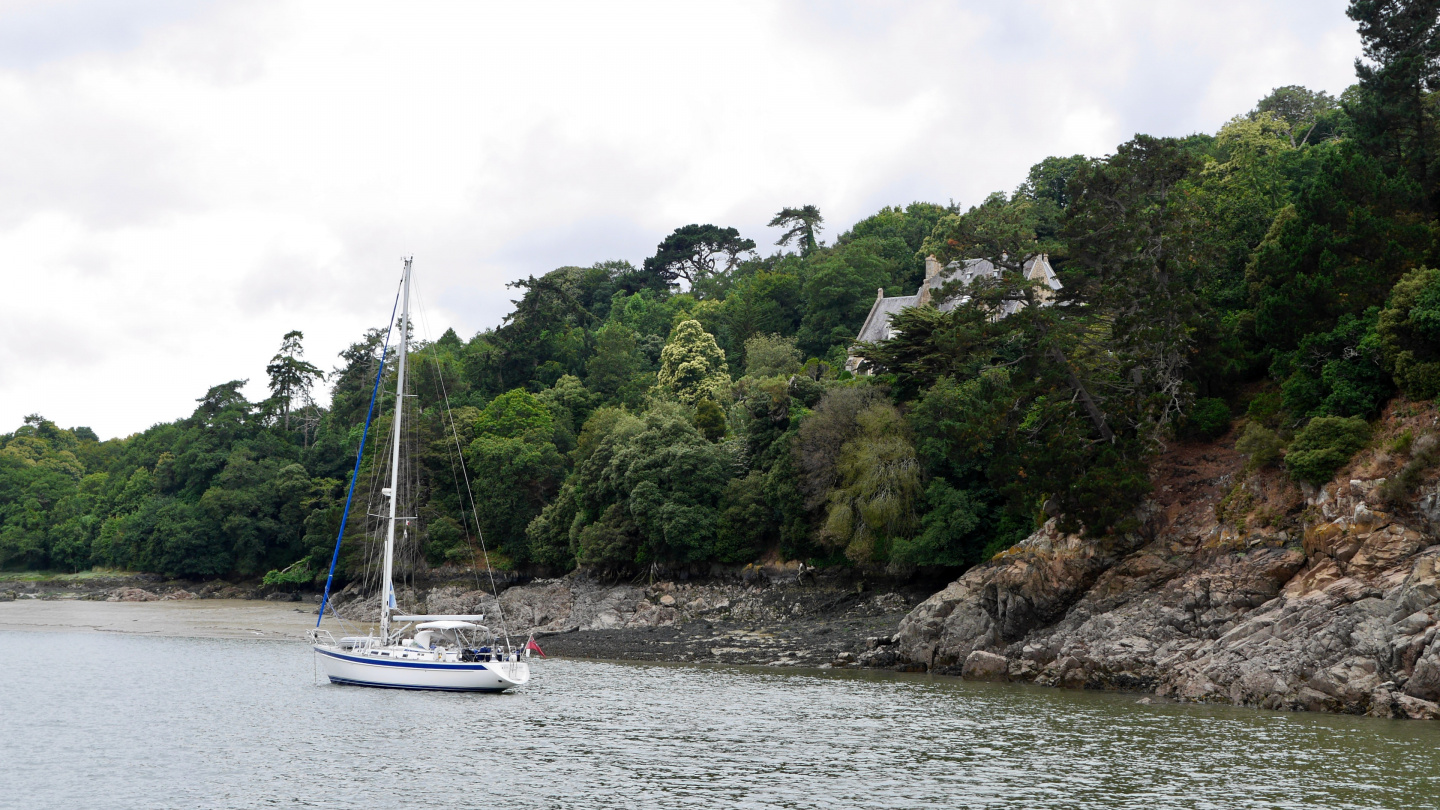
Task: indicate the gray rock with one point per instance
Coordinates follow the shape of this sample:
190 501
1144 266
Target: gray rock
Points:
985 666
1341 618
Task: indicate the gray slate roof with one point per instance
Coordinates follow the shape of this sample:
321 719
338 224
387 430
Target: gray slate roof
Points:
877 324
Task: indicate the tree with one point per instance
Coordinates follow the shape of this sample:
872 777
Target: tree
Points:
514 461
1136 259
617 370
710 420
1393 112
692 366
1350 234
1298 109
801 225
1409 332
898 234
695 252
1048 185
839 289
291 378
878 487
1323 446
771 356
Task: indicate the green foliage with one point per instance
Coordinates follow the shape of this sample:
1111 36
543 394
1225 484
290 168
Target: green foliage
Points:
952 529
898 235
649 490
877 487
1266 408
1325 445
692 366
1409 333
1209 418
291 378
1393 114
1336 373
617 370
514 463
710 420
1261 444
1350 234
772 356
1299 110
801 225
839 289
698 252
298 573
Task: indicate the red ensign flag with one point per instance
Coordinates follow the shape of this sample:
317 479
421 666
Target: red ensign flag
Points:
531 645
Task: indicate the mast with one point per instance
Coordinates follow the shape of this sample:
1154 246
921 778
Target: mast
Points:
387 592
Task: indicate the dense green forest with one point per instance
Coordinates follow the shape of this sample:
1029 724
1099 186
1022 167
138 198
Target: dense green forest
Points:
694 409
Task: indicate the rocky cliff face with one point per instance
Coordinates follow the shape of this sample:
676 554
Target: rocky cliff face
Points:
1241 588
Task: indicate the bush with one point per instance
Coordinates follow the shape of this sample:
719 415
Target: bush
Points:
1337 373
1209 419
1266 408
1323 446
1424 454
1261 444
1410 333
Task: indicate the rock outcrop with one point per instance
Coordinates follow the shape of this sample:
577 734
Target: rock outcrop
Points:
1241 588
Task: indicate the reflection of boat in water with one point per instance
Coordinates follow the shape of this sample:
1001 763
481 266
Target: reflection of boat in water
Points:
434 652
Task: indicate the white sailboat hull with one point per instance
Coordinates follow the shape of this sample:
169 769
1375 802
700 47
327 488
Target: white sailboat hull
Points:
361 669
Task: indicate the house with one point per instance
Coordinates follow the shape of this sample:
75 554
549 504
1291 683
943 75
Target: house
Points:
877 324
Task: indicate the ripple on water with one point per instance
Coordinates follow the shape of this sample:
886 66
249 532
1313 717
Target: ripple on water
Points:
94 720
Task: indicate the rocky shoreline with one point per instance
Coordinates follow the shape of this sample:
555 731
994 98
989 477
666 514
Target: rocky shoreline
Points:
764 615
1240 588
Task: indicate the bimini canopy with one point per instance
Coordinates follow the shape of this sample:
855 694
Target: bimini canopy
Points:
447 625
437 617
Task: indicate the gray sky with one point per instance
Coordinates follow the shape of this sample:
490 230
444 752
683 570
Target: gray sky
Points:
184 182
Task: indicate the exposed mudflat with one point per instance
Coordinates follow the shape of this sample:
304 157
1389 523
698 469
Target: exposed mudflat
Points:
208 618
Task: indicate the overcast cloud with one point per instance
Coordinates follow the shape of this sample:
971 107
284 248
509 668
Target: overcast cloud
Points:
181 183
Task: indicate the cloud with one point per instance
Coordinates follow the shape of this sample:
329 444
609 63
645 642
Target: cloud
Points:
184 183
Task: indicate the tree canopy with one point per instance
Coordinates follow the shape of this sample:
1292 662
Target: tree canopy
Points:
694 410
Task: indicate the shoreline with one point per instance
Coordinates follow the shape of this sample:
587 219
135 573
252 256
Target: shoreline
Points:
209 618
812 642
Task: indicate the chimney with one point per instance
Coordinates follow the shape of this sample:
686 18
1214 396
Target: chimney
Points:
879 293
932 267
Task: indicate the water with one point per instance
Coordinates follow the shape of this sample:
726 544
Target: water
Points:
96 720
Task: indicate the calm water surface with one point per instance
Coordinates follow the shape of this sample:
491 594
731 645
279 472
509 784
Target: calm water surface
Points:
112 721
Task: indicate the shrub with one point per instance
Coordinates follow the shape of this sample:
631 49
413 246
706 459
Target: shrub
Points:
1261 444
1409 331
1324 445
1266 408
1209 418
1424 454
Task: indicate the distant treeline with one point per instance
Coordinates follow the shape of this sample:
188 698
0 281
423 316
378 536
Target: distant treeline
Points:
696 409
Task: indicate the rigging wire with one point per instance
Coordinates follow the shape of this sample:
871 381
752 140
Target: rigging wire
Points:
334 557
445 396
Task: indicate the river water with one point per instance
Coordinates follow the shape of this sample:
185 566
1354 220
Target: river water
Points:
113 721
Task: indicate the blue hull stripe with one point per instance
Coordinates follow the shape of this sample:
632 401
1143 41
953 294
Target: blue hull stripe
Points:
348 682
411 664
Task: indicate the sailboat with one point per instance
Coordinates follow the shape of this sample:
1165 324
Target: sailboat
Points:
443 652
